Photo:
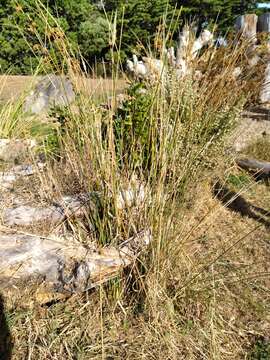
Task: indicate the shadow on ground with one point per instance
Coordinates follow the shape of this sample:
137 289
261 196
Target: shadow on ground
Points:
5 336
237 203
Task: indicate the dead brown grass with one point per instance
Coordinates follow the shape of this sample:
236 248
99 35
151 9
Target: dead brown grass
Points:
216 304
259 149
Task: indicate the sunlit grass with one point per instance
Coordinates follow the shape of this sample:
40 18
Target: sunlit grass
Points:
183 298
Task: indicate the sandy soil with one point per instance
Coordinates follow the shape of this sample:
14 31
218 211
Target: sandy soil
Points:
253 126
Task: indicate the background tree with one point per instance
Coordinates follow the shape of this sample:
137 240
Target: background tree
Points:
24 36
18 24
86 25
222 12
138 21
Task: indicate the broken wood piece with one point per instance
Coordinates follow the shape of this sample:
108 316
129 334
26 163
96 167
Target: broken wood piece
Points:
133 195
246 26
265 90
264 23
261 169
74 205
63 265
68 206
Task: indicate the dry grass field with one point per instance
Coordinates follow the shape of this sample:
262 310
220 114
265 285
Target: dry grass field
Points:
11 86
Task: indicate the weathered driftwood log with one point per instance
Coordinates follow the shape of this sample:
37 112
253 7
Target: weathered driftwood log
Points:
246 25
264 23
265 91
205 38
261 169
63 265
137 68
68 206
188 49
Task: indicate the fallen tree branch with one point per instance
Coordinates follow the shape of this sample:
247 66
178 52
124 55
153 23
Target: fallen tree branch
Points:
62 265
260 169
25 215
68 206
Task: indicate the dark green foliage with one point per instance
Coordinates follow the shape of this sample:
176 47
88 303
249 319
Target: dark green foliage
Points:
238 181
25 39
53 135
17 26
138 21
93 37
133 126
222 12
261 350
25 36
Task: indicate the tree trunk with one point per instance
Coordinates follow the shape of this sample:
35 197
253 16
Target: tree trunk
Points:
246 25
264 23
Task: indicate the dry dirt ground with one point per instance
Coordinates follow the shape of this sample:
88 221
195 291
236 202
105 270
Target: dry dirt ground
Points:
253 126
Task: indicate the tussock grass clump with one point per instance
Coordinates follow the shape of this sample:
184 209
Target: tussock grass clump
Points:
185 297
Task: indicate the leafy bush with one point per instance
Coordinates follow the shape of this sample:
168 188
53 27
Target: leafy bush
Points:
133 124
26 38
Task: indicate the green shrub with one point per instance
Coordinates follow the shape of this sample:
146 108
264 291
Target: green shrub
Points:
133 125
260 351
